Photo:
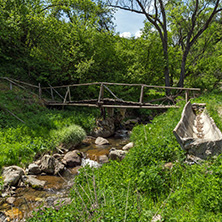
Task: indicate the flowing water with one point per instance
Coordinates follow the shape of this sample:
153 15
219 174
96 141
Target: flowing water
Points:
26 199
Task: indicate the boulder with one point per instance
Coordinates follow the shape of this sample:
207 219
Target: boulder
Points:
34 169
12 175
101 141
105 128
33 182
73 158
103 159
50 165
128 146
115 154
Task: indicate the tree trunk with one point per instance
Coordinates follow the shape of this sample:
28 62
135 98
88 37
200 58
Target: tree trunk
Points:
166 63
183 65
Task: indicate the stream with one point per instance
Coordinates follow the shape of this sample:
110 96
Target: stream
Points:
26 199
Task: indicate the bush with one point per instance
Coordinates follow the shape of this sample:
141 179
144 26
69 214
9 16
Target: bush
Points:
71 134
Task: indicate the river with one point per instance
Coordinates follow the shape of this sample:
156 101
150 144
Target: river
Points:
26 199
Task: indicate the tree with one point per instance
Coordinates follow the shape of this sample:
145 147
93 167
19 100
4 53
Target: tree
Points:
155 13
193 17
189 20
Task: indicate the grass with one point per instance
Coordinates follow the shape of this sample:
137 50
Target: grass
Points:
27 128
140 187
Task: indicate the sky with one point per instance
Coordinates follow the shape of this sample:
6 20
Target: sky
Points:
128 24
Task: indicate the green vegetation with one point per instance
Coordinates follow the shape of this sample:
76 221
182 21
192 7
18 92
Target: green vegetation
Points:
60 42
142 186
41 130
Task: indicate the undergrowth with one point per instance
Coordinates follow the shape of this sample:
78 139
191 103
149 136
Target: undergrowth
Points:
27 128
142 187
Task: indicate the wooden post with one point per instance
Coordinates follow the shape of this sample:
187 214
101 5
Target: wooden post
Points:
101 93
110 112
40 91
64 101
187 95
69 94
52 93
141 94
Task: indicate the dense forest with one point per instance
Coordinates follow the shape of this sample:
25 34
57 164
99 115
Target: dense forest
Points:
57 42
75 41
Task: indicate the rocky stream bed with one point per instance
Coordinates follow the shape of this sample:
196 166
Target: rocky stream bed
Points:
18 201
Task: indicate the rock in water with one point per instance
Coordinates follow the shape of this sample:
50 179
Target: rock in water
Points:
90 163
101 141
12 175
34 169
117 154
103 159
73 158
105 128
128 146
50 165
33 182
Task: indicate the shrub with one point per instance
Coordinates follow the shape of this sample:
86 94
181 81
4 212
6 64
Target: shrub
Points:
71 134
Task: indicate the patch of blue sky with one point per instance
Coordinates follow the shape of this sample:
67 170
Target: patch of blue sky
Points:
128 24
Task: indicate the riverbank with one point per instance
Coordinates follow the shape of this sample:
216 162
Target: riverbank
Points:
28 129
153 181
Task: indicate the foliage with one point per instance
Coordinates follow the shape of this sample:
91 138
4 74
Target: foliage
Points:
42 129
141 186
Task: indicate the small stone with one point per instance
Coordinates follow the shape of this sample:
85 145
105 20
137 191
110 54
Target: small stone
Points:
128 146
10 200
5 194
117 154
101 141
103 159
157 218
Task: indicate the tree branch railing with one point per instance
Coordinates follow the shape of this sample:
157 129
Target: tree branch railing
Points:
67 98
104 86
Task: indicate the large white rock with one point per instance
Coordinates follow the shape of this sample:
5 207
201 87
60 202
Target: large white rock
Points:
101 141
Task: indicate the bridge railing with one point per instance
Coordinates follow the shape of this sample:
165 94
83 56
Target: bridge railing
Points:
106 86
65 96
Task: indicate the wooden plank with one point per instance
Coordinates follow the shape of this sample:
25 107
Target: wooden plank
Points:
152 86
101 93
111 93
80 84
112 106
187 95
14 80
52 95
139 107
125 84
40 91
141 94
64 101
72 104
69 94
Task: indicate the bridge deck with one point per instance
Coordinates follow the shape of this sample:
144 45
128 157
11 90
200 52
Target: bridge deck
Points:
110 103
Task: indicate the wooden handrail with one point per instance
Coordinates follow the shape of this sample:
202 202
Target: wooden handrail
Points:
124 84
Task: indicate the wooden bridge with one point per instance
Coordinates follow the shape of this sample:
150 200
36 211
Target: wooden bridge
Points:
64 96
